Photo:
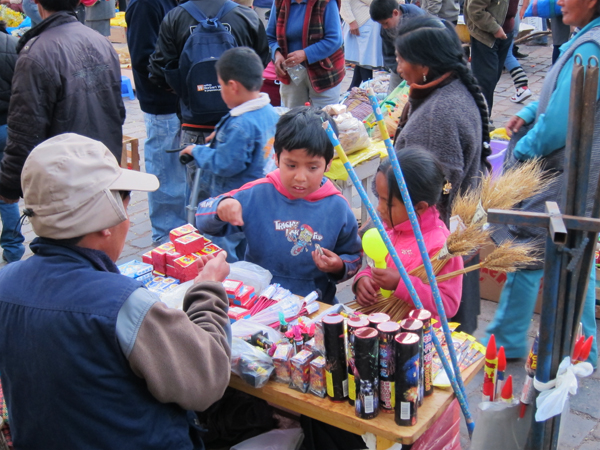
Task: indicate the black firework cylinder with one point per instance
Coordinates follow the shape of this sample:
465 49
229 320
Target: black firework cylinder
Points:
416 326
407 378
336 374
366 348
377 318
425 316
353 324
387 365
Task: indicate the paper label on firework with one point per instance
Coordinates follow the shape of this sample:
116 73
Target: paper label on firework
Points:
232 287
159 256
345 387
147 257
329 383
317 376
183 230
171 256
480 214
351 387
211 249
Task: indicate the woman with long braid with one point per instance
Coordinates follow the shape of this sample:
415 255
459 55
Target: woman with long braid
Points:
447 115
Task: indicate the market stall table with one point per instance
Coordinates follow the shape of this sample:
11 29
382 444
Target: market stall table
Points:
341 415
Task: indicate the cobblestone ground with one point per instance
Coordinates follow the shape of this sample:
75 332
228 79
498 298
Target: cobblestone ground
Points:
582 430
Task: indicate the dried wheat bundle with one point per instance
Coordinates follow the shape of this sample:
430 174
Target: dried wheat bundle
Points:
507 257
392 306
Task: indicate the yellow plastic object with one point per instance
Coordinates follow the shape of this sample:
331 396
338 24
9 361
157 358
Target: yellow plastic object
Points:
500 134
337 170
375 249
118 20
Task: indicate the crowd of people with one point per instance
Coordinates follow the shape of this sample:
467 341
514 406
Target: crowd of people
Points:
101 343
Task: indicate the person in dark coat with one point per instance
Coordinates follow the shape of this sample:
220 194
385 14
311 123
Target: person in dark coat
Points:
11 238
67 79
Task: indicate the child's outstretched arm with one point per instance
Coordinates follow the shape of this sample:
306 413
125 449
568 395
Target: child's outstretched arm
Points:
220 216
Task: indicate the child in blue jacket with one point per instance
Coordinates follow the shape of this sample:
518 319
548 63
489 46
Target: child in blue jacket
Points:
243 139
286 215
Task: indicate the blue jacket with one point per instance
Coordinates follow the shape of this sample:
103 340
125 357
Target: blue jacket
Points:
550 130
67 382
240 149
281 232
143 19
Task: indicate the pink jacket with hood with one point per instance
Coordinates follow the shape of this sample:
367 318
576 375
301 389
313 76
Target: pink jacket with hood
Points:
435 234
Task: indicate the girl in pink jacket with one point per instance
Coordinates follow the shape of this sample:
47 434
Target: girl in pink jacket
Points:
425 181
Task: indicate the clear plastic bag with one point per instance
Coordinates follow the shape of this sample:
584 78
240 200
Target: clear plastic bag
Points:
250 363
296 73
248 327
250 274
174 297
289 439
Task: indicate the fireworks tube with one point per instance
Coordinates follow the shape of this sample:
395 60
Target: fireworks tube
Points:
407 378
489 370
336 375
416 326
425 316
528 393
353 324
377 318
366 348
387 365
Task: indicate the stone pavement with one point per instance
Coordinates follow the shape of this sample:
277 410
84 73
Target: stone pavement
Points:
582 424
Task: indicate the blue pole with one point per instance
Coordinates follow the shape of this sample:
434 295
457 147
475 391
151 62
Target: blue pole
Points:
460 393
418 235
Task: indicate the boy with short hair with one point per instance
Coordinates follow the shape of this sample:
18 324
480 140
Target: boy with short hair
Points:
293 214
389 14
242 141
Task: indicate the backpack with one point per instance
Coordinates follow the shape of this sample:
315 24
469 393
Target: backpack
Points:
195 78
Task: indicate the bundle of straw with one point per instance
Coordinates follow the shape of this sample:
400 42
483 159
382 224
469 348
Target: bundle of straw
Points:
392 306
507 257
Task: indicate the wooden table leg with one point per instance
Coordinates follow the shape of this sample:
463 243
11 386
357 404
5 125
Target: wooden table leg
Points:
383 443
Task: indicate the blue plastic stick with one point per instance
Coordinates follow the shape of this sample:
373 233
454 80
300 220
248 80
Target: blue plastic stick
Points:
403 274
419 236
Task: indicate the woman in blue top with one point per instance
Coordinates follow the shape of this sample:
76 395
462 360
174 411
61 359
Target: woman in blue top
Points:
545 136
305 38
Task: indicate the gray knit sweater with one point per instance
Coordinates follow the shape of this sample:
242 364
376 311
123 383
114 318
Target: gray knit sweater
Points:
447 123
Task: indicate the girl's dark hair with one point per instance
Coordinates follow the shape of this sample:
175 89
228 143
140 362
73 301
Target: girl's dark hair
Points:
423 173
434 43
302 127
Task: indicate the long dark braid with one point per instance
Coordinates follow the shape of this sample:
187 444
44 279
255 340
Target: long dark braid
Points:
433 43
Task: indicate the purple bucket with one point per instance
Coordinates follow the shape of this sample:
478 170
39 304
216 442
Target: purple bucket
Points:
497 157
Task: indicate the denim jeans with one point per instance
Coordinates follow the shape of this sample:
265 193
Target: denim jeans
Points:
11 239
167 204
487 64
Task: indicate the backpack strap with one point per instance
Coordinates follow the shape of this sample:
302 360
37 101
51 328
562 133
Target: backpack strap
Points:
195 11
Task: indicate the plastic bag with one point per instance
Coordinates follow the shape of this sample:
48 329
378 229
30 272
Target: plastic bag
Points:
554 394
289 439
174 297
352 133
248 327
545 9
499 427
444 434
250 363
250 274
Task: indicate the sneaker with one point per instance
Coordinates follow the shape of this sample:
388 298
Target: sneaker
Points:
521 94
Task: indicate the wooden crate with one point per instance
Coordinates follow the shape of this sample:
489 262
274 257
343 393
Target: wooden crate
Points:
130 157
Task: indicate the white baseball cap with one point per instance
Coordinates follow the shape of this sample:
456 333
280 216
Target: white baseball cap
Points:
71 187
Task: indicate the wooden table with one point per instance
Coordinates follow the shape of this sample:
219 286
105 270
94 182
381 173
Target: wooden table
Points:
341 415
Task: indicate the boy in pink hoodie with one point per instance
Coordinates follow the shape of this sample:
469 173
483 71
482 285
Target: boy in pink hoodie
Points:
425 181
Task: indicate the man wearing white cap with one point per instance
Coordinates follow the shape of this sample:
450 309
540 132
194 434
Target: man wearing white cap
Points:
89 358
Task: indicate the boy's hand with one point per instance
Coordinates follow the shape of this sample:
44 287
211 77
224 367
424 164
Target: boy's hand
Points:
210 137
187 150
230 210
328 262
212 268
386 278
366 291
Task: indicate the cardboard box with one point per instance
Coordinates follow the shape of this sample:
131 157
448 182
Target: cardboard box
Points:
492 281
118 35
